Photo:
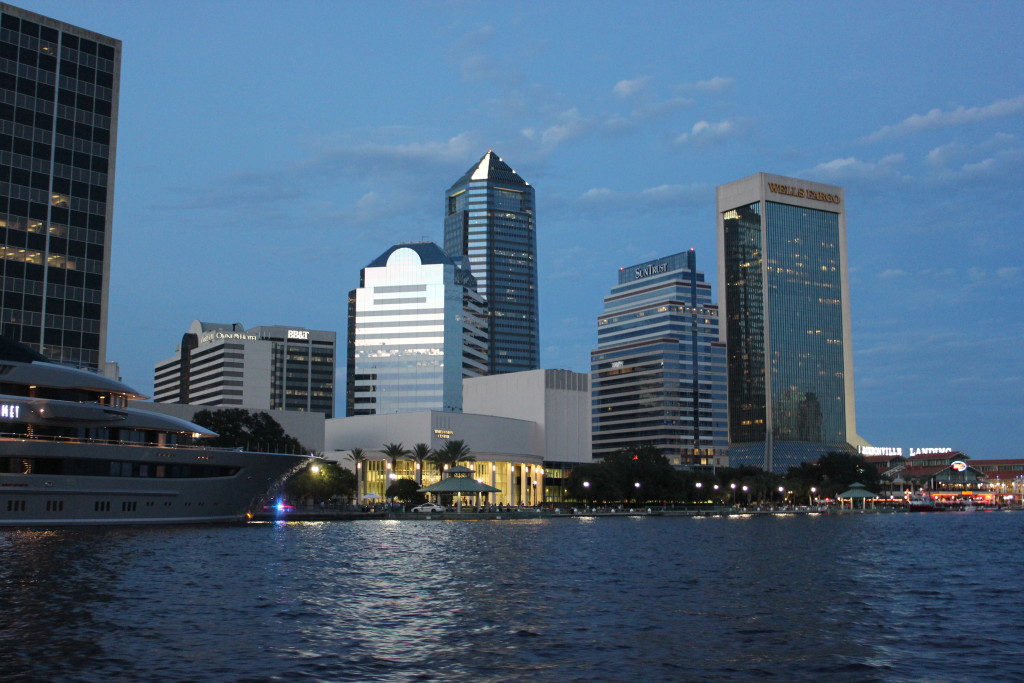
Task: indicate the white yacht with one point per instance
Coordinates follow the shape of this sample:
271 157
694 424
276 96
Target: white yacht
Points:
73 452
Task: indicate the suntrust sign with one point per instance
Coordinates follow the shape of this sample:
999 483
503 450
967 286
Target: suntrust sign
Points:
650 270
804 193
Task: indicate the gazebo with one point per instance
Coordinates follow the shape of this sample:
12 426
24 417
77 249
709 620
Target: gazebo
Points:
855 491
459 481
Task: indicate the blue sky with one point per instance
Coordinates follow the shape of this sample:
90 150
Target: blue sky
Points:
268 151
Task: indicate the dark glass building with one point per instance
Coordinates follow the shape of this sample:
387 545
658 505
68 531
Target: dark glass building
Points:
658 373
58 133
786 318
489 218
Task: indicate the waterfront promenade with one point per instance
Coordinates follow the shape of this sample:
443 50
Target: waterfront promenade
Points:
348 513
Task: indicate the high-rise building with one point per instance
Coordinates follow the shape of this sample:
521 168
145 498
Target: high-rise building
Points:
271 367
490 219
658 373
416 328
784 279
58 136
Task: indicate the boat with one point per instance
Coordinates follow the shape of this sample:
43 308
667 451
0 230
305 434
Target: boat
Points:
73 452
922 502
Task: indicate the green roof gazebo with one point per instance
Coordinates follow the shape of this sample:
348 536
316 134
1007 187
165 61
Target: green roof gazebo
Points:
459 481
856 491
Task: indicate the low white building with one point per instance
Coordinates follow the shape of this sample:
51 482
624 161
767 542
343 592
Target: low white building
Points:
525 429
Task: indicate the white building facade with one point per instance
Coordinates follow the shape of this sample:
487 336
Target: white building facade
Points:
416 328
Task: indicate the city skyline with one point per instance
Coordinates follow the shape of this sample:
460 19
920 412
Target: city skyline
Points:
625 125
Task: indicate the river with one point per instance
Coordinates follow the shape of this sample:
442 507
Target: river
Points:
853 597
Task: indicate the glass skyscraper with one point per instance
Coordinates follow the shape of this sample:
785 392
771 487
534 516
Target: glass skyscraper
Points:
416 329
58 134
658 375
783 273
489 218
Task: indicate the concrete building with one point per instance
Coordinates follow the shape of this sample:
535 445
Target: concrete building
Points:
490 219
416 328
658 373
525 429
271 367
58 139
784 281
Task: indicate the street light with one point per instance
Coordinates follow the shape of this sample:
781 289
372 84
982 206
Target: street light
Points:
810 496
746 490
781 490
732 493
586 489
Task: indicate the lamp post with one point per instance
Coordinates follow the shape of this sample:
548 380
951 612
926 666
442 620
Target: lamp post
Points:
586 489
746 490
636 485
732 494
810 496
781 491
698 485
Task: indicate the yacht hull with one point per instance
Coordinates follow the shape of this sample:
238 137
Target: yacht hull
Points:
129 484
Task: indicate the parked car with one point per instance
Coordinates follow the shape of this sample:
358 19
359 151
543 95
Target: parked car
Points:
428 507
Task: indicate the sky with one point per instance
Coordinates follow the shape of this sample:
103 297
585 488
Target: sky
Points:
267 151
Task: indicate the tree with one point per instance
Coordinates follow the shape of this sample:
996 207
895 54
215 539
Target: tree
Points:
420 453
322 480
395 452
453 452
407 491
251 430
356 457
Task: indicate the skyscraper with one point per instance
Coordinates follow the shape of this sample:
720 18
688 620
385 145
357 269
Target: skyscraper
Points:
782 269
489 218
416 328
58 136
271 367
658 374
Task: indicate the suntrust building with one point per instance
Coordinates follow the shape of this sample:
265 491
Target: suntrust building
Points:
784 283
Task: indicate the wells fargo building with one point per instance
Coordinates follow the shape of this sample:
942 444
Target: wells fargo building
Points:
784 279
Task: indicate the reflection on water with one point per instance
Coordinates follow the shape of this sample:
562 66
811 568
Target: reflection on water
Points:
856 597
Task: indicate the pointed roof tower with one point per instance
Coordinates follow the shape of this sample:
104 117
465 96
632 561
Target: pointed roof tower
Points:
491 167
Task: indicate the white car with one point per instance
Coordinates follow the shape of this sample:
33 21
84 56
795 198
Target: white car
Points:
428 507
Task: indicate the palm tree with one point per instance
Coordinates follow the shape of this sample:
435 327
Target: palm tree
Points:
394 452
454 451
355 456
420 453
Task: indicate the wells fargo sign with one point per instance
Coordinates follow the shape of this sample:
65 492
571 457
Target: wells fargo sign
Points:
803 193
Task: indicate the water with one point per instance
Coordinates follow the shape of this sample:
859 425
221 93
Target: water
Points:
893 597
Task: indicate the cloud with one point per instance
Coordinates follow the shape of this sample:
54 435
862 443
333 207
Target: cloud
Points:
937 118
631 87
715 85
691 195
890 273
706 131
852 168
570 126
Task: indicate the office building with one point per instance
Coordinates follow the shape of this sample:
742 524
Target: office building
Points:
490 219
416 328
58 138
658 373
273 367
784 279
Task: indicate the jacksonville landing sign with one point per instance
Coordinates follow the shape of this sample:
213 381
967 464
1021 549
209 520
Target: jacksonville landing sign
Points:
803 193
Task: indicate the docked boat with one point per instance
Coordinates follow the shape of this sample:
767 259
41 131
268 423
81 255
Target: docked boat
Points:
922 502
72 451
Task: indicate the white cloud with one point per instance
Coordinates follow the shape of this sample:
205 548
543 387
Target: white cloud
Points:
937 118
716 85
597 193
1008 273
852 168
706 131
890 273
628 88
570 126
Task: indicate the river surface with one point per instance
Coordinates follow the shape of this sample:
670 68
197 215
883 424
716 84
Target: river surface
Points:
872 597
